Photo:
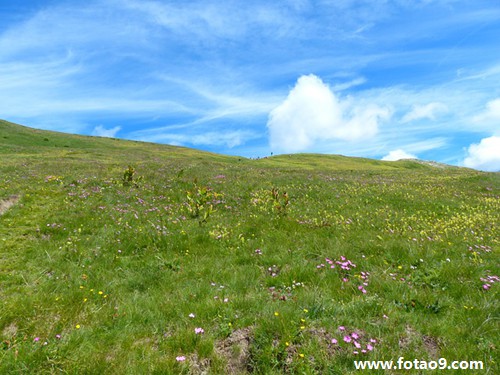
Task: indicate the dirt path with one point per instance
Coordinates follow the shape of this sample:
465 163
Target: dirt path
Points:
5 204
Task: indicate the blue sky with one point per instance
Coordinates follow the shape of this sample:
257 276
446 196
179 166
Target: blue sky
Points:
382 79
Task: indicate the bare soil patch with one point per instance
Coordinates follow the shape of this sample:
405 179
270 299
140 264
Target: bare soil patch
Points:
413 339
5 204
236 350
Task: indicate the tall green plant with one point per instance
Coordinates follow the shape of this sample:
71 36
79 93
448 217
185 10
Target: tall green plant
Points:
200 202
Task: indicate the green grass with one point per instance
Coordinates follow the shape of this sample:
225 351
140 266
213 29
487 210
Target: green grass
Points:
99 274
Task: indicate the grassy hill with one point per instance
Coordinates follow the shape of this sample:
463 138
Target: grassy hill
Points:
121 257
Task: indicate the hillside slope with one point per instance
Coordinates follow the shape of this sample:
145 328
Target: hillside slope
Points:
124 257
21 140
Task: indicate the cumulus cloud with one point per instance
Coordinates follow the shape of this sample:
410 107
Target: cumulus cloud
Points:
312 113
101 131
485 155
398 155
429 111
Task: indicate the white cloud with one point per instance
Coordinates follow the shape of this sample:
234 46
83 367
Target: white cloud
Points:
215 20
347 85
398 155
313 114
231 101
101 131
492 112
228 139
429 111
485 155
426 145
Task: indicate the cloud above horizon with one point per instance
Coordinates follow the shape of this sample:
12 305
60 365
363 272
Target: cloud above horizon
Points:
228 139
312 113
427 111
101 131
398 155
485 155
491 113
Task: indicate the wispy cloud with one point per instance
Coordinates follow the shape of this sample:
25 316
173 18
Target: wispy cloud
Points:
229 139
59 69
428 111
224 100
214 20
347 85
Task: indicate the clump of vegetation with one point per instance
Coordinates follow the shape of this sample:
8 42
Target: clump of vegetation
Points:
272 201
280 201
129 177
200 202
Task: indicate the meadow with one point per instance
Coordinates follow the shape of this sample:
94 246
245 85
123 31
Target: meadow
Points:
122 257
